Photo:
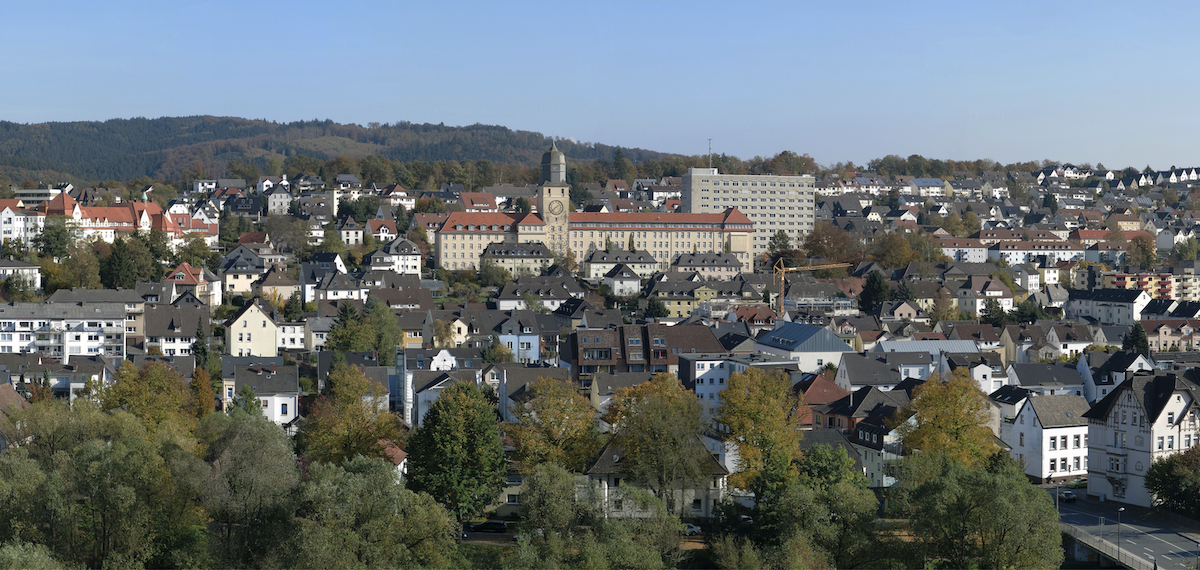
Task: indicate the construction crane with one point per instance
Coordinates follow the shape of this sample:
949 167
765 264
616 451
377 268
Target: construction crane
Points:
781 271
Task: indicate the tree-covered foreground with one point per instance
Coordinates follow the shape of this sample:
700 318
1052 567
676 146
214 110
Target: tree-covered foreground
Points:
139 475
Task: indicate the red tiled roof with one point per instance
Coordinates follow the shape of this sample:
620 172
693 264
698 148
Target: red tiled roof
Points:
483 221
374 225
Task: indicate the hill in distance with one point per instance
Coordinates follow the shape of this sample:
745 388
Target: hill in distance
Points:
123 149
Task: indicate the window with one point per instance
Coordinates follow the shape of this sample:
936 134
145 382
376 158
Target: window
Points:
283 409
1160 442
514 499
1170 442
264 403
1022 439
697 504
1053 465
514 479
1054 443
1170 417
1075 465
1076 442
1062 441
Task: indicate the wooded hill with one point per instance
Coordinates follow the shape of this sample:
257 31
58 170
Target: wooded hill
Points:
164 148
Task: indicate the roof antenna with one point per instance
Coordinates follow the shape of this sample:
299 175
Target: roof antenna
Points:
710 152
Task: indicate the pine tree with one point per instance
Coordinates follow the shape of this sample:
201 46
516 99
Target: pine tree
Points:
200 348
632 244
1137 340
874 293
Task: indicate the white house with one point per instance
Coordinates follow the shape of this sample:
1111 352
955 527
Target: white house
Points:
1147 417
276 387
252 330
986 369
813 347
1107 306
623 281
1049 436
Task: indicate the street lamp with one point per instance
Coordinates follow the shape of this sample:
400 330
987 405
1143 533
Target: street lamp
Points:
1119 511
1056 495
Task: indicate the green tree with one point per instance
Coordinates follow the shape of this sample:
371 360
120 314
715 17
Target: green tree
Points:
779 242
55 238
522 205
248 490
1174 481
994 314
294 309
1136 340
657 427
118 270
903 291
358 515
656 309
493 275
532 302
456 455
1013 525
553 425
548 499
632 243
874 292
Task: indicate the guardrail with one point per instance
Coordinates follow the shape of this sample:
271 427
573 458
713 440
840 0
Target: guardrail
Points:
1107 548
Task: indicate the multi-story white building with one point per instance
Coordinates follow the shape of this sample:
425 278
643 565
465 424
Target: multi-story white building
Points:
20 224
772 202
1145 418
1049 436
291 336
63 330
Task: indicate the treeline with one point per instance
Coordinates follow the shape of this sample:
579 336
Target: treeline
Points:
143 473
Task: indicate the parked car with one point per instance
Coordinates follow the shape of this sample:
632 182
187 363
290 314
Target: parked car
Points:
1080 483
691 529
490 526
1066 497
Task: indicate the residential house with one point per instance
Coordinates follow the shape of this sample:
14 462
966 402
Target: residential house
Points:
276 387
1049 437
252 330
623 281
813 347
1046 379
1148 417
883 371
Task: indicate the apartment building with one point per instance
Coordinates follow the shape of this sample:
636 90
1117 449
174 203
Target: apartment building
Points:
63 330
771 202
1177 284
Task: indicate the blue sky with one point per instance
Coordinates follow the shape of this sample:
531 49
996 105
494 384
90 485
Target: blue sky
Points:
1013 81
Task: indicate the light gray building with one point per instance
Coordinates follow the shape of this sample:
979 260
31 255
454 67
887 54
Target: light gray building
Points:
772 202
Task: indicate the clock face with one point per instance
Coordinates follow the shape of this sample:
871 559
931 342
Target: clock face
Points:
556 208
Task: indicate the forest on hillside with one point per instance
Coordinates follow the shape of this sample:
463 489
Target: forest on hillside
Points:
163 148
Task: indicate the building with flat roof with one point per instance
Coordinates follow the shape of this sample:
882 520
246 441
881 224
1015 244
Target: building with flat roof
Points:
772 202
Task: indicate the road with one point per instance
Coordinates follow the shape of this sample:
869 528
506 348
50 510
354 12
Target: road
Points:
1149 539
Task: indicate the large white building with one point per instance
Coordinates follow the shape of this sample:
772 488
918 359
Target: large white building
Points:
1049 436
1145 418
772 202
63 330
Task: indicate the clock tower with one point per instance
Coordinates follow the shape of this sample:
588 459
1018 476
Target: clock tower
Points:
553 201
